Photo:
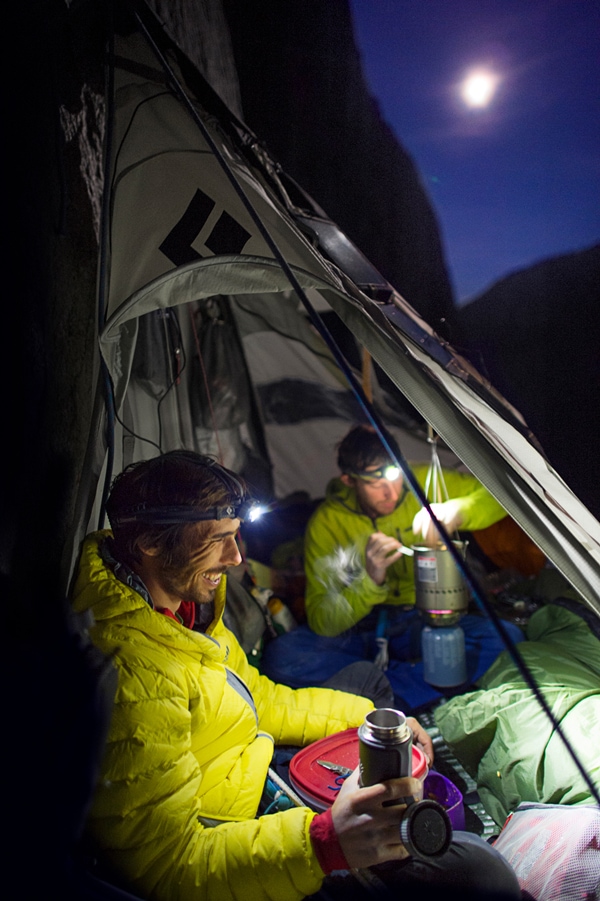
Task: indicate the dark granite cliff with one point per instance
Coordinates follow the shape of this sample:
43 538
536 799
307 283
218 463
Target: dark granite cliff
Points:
536 335
304 94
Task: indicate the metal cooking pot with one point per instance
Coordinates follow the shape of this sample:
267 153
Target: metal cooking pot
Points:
441 592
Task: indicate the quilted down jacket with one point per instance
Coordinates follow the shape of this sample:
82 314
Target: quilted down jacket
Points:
339 593
190 742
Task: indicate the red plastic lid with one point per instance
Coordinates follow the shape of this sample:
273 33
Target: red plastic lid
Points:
314 782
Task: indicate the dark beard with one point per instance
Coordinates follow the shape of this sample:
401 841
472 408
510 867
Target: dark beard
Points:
181 584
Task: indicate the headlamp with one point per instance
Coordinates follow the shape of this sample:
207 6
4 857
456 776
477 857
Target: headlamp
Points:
242 506
390 471
245 510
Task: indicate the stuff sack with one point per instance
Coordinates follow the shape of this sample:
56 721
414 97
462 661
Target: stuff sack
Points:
554 850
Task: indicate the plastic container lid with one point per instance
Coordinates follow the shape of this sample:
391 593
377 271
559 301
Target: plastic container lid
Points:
316 785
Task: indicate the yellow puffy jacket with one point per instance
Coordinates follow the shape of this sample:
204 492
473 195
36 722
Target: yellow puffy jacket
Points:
189 746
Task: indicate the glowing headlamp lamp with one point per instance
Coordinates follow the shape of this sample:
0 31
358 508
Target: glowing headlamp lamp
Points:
246 510
389 472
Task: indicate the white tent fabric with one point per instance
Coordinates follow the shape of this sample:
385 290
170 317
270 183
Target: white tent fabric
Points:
188 224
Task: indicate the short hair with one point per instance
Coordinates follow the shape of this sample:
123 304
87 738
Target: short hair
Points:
180 478
361 448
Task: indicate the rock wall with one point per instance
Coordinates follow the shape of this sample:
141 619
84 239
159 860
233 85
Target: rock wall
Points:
536 335
52 273
303 93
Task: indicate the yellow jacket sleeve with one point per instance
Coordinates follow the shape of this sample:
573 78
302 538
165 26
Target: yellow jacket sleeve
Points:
302 715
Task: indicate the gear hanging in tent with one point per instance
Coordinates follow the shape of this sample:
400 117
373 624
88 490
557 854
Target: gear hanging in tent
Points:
435 485
220 399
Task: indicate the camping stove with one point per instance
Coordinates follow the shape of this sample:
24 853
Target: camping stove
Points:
441 599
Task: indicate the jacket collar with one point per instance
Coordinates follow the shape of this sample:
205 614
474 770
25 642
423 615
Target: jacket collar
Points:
123 572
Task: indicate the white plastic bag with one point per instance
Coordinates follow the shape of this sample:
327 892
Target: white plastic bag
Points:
555 850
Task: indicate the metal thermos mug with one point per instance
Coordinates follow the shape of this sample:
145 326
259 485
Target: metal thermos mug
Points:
385 746
385 752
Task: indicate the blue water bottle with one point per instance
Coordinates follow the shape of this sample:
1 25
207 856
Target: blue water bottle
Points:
443 650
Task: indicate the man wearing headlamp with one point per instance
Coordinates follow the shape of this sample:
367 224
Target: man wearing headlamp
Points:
360 580
194 725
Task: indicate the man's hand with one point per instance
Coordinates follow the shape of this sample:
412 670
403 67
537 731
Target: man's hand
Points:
369 833
421 738
448 513
381 552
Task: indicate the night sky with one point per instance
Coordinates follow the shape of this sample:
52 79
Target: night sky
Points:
516 179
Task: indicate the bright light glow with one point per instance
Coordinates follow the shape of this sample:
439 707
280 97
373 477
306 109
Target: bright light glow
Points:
256 512
391 473
479 87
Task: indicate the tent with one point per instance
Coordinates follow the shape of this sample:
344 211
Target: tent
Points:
235 318
221 285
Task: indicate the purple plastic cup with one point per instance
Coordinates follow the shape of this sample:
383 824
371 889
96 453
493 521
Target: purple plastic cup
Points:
438 788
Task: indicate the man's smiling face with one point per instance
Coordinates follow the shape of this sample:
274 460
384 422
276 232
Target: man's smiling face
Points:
212 555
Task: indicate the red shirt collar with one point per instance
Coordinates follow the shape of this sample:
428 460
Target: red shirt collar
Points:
186 614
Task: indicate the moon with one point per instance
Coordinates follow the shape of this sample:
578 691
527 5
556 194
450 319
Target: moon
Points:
478 88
